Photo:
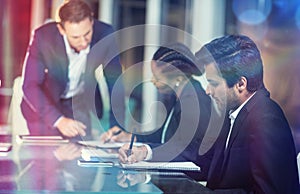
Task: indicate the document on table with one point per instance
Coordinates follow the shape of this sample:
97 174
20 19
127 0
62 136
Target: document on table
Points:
176 166
94 163
41 139
5 148
98 144
88 153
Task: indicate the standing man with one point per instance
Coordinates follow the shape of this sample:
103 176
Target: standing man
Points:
255 152
60 87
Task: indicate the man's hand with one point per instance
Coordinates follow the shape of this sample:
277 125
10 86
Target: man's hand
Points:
115 134
70 127
138 153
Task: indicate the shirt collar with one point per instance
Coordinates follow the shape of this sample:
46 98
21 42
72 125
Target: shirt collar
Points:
69 50
233 114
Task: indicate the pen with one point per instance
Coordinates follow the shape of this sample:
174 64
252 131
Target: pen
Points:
129 151
114 134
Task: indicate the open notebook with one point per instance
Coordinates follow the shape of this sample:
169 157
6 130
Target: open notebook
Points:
177 166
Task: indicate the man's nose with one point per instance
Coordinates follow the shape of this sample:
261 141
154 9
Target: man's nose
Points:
83 41
208 90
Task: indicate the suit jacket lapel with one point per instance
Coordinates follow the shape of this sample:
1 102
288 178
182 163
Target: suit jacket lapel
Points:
62 57
241 117
236 127
216 174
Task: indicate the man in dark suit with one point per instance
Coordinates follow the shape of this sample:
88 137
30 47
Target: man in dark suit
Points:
60 86
255 152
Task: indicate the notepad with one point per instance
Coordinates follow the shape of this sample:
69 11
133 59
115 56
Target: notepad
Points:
177 166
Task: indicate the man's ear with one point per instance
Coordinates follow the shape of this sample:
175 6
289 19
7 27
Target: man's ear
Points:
61 29
242 84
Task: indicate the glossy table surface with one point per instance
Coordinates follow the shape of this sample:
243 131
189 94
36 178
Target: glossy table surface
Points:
36 168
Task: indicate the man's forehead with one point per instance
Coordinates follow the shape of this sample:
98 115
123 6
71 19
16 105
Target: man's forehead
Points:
211 70
78 29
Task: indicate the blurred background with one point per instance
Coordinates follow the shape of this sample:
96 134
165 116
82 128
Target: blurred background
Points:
272 24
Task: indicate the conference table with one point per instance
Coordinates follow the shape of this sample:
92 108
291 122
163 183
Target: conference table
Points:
53 168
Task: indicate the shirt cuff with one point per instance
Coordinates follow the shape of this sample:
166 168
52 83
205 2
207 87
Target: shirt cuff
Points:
57 121
149 152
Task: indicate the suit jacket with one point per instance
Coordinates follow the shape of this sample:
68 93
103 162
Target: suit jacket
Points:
46 76
260 157
186 128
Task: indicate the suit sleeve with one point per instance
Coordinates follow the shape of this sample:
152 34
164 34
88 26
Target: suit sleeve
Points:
34 74
272 148
114 80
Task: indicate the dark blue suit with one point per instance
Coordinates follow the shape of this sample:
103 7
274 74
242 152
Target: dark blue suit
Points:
260 157
46 77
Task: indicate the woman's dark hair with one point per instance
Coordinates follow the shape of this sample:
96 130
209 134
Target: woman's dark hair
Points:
176 59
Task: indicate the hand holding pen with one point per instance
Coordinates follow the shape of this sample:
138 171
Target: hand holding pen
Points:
138 153
129 151
115 134
131 154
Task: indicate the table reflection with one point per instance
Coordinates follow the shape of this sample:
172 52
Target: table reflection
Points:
34 168
8 179
55 169
129 179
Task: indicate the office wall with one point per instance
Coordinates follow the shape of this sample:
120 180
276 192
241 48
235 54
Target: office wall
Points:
14 37
274 26
277 35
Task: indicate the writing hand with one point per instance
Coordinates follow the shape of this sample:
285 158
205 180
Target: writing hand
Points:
115 134
138 153
70 127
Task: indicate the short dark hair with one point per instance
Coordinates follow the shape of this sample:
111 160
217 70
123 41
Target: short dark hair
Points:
176 58
74 11
235 56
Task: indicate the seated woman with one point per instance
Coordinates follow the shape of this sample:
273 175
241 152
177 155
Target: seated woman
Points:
180 137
